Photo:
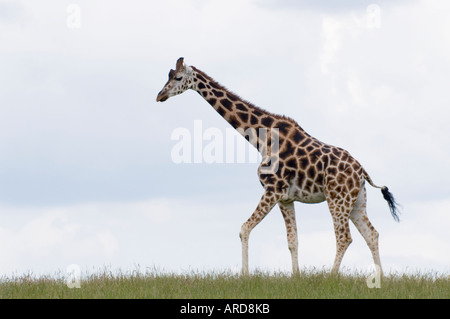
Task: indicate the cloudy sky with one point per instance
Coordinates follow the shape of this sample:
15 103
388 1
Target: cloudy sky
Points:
86 173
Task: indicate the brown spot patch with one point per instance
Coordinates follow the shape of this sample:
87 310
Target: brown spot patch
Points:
221 111
311 172
226 103
292 163
332 171
298 136
233 121
305 143
232 97
267 121
283 127
200 77
241 107
304 163
217 93
243 116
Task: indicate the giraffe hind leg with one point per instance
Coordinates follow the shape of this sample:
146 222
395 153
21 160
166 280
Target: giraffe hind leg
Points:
343 238
340 212
359 218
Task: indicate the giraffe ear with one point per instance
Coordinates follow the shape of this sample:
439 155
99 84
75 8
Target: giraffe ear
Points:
180 64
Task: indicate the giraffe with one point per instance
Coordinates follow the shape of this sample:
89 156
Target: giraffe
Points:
308 170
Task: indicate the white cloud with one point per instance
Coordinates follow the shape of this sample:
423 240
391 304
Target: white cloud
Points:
421 240
331 42
184 234
43 239
46 239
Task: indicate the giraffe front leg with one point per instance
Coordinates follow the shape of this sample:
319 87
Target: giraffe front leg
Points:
288 212
244 241
268 200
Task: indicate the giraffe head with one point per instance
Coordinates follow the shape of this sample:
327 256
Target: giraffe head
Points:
179 81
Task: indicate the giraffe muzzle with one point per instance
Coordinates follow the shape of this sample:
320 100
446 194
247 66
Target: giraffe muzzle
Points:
161 97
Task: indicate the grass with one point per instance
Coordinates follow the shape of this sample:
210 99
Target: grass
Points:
261 285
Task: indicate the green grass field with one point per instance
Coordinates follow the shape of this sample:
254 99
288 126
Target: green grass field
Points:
311 284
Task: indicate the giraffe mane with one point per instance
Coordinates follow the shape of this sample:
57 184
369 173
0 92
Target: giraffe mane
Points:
217 85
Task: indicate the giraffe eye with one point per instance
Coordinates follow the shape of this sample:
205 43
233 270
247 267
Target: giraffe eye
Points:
178 79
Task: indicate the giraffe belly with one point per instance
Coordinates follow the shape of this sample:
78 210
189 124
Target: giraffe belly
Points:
311 198
303 196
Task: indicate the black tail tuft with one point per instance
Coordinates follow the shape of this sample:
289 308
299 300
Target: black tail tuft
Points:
393 206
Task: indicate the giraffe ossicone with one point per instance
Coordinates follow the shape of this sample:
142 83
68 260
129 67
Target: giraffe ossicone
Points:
307 170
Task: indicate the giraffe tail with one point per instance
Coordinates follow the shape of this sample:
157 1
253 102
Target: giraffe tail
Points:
387 195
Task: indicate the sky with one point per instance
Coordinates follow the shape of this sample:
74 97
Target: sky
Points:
87 175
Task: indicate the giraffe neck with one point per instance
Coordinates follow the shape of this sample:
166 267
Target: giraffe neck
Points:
242 115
